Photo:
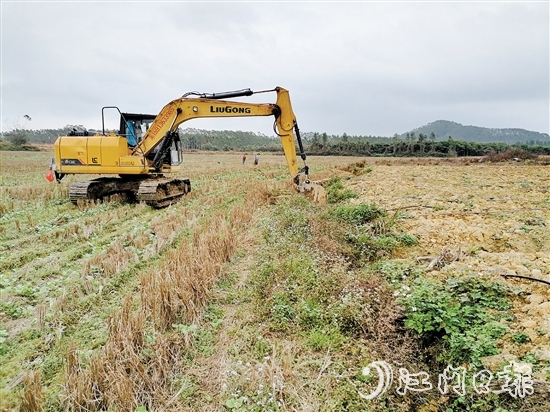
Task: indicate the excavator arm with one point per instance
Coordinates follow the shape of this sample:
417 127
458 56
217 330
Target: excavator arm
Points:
161 132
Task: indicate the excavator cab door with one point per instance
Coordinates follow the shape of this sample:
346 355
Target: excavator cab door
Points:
176 153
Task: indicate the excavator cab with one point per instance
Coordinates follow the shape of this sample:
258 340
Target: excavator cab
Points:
134 126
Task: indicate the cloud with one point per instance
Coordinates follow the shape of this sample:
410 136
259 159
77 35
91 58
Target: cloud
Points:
367 68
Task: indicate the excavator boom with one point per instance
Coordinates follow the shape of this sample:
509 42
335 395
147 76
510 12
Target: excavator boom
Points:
186 108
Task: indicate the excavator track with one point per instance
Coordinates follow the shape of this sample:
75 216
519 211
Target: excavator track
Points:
156 192
163 192
100 189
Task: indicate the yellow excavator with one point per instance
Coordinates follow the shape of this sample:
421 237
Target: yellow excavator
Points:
149 146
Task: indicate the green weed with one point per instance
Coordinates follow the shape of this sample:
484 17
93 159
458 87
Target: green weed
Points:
13 309
336 191
358 214
520 338
282 312
3 341
370 231
370 247
327 338
463 312
396 272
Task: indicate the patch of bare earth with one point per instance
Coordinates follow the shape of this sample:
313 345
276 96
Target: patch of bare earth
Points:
489 220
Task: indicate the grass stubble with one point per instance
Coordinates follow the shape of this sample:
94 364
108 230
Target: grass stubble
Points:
243 297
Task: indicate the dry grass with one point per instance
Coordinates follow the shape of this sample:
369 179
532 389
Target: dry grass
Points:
109 262
34 192
33 395
178 292
137 365
510 154
130 371
381 322
133 369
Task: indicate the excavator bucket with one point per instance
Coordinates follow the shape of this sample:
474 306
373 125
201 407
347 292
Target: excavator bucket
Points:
314 191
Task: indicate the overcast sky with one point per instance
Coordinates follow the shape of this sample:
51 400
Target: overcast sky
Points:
363 68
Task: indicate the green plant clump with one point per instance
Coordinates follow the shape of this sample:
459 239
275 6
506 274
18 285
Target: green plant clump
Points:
336 191
463 312
370 231
358 214
520 338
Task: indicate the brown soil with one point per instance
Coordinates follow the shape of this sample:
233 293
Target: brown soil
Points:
489 220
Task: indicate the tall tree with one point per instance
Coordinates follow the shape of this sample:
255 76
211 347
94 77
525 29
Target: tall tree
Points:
395 143
432 140
421 141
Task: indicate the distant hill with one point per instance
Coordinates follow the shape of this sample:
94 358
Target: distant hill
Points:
444 128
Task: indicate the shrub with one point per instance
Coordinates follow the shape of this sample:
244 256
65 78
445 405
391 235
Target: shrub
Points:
464 312
17 137
510 154
336 192
358 214
358 168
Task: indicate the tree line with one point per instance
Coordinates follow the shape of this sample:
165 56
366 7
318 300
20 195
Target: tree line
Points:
410 144
403 148
444 128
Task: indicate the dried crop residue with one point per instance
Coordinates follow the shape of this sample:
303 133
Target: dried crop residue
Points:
212 371
478 219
